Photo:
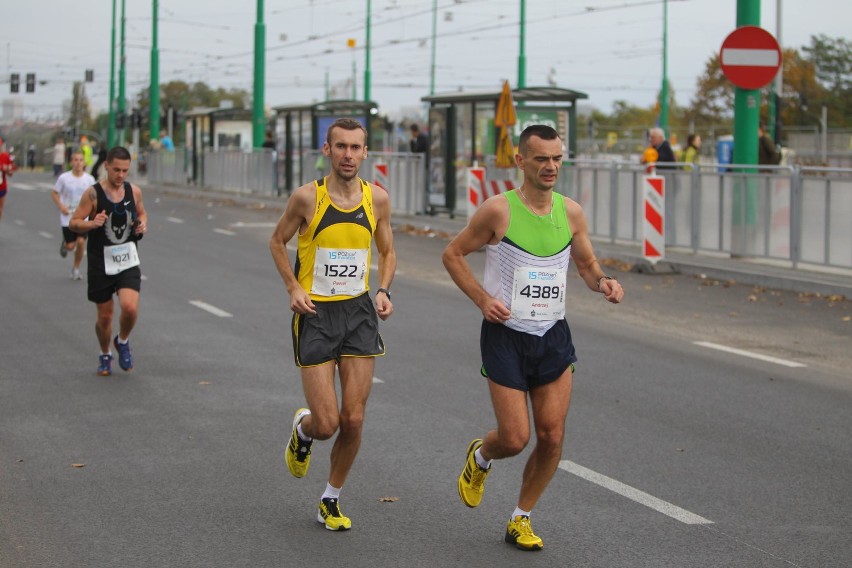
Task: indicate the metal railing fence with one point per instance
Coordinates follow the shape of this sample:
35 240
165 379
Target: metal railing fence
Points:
789 213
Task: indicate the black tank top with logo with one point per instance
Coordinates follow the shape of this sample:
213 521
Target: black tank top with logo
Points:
118 229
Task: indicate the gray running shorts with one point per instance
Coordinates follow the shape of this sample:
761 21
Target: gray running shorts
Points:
342 328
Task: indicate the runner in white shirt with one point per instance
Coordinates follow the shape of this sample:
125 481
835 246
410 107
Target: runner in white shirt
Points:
67 192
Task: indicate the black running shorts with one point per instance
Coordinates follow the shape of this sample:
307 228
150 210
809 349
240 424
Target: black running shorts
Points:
342 328
523 361
70 236
102 287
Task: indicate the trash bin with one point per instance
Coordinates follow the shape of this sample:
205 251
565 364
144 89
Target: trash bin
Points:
725 151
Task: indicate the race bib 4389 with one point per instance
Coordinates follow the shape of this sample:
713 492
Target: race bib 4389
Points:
538 294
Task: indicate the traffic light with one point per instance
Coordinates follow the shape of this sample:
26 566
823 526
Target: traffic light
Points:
31 82
90 75
119 120
15 82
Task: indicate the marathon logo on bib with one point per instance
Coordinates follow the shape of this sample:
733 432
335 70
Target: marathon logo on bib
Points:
538 294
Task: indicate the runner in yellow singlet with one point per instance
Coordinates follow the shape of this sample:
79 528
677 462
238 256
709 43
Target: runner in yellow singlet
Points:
335 323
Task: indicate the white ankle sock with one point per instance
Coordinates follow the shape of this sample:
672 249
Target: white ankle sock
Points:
302 435
481 461
521 512
331 492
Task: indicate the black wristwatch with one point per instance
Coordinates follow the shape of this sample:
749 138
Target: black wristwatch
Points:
386 291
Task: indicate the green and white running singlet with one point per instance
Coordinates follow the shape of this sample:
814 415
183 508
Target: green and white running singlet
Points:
528 268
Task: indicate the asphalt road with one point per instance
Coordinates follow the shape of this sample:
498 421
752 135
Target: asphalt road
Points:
678 453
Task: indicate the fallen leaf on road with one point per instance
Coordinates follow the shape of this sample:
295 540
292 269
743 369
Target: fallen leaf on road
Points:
752 298
204 383
847 318
78 465
647 287
388 499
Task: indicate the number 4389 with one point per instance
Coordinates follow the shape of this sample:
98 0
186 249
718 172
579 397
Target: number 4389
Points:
540 292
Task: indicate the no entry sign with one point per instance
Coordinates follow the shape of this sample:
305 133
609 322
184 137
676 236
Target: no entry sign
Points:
750 57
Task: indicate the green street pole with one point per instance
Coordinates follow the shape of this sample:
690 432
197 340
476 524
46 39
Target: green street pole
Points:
522 55
111 124
434 33
664 90
367 89
258 116
154 86
746 119
121 81
746 101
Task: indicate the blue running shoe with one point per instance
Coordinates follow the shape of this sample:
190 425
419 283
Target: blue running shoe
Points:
125 358
105 365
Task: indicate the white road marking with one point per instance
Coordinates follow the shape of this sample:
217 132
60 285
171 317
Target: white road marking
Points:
143 277
19 222
261 225
224 232
45 234
174 220
745 353
377 380
23 186
634 494
211 309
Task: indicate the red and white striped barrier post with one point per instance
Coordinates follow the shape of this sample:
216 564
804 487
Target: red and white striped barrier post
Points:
475 189
380 175
654 241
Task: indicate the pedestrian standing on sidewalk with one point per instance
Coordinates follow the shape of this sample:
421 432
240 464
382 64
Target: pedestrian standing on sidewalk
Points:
59 157
335 323
113 215
530 234
66 194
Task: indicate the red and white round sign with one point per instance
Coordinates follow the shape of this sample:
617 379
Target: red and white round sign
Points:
750 57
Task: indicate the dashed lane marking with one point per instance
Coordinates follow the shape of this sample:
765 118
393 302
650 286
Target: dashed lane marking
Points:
45 234
634 494
224 232
174 220
750 354
211 309
19 222
377 380
259 225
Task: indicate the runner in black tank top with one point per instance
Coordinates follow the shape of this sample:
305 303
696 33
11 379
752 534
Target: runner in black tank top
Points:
114 216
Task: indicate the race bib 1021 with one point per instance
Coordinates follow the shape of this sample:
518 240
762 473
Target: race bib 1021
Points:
118 258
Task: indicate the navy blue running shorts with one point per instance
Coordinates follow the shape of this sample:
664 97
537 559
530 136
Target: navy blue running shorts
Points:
341 328
523 361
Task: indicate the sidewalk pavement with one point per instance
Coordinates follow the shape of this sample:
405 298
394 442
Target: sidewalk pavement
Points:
777 275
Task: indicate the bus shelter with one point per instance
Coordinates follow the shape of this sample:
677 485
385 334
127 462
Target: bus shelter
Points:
462 133
214 129
304 128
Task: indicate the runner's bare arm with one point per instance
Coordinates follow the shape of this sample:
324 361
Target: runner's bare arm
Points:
56 199
141 213
584 258
87 208
486 226
387 254
295 217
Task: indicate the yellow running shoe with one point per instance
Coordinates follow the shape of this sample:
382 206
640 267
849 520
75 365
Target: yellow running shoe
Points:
519 532
298 453
472 478
329 514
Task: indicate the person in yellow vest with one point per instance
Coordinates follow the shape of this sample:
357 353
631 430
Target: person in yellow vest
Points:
335 323
693 148
86 148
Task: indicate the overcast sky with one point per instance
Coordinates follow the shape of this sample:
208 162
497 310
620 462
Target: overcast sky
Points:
609 49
